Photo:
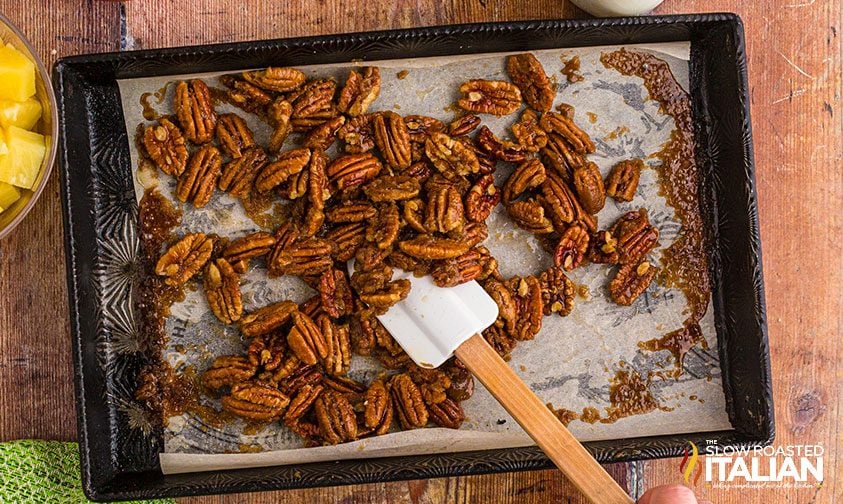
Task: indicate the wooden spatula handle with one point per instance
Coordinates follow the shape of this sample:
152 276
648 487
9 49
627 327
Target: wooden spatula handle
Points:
540 423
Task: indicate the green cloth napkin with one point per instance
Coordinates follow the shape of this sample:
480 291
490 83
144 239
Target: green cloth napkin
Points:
42 471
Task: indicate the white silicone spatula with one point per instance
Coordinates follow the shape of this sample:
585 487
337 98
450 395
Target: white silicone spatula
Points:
434 323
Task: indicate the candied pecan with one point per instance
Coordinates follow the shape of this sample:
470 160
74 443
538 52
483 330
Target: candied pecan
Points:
285 235
239 174
482 199
346 239
500 340
503 150
249 246
488 263
636 236
473 233
184 259
301 376
338 345
449 156
432 383
222 288
317 193
268 350
279 113
528 175
499 98
559 201
195 111
344 385
228 370
335 293
380 301
462 382
421 127
372 279
631 280
623 181
567 129
245 95
557 292
602 248
529 215
413 213
323 136
305 124
278 79
503 297
528 299
256 401
392 188
294 188
408 402
267 319
288 367
399 361
383 228
392 139
432 247
233 135
459 270
566 109
589 185
359 91
287 164
351 211
362 331
165 145
400 260
378 410
358 134
353 169
529 75
197 183
447 413
337 421
315 97
572 246
560 156
463 125
444 209
307 256
306 340
301 403
528 133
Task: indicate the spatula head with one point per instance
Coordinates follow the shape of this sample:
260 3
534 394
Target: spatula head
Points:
433 321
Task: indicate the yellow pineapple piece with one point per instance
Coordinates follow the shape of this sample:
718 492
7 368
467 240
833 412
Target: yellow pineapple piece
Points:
21 165
17 75
23 114
8 195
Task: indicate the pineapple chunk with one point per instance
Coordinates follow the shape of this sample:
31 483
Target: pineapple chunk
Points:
17 75
21 165
4 147
8 195
23 114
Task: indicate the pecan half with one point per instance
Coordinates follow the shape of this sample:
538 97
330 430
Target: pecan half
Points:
198 181
338 346
413 214
392 139
433 383
360 91
239 174
498 98
335 293
503 150
323 136
528 175
278 79
529 75
528 133
302 376
233 135
346 240
559 155
268 350
337 421
317 193
305 257
245 95
459 270
559 201
306 340
165 145
449 156
631 280
463 125
249 246
352 170
567 129
503 297
400 260
305 398
378 410
408 402
421 127
557 292
528 299
222 288
500 340
381 300
602 248
589 185
305 124
184 259
228 370
392 188
636 236
344 385
312 99
267 319
432 247
529 215
623 180
462 382
482 199
287 164
571 248
447 413
195 111
383 229
444 209
279 114
358 134
351 211
256 401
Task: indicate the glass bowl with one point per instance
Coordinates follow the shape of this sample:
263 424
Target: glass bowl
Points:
47 126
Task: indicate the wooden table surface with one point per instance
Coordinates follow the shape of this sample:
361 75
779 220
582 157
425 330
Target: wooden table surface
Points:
795 75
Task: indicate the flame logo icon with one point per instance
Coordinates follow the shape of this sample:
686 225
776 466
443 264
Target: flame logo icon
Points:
689 462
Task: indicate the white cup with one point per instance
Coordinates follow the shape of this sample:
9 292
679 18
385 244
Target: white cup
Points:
609 8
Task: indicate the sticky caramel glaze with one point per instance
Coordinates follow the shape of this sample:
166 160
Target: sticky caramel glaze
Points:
685 261
571 70
149 112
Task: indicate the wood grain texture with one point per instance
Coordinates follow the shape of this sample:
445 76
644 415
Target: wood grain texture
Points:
795 76
36 375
